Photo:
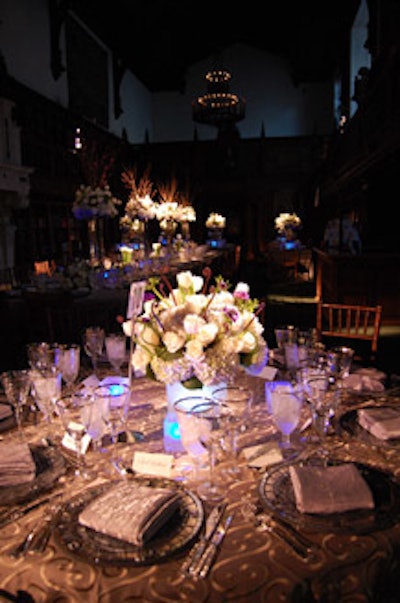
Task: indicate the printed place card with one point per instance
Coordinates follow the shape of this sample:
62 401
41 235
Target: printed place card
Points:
263 455
69 442
153 463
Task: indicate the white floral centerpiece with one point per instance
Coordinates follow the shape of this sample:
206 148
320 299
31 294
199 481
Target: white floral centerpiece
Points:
195 334
140 207
94 202
215 220
286 221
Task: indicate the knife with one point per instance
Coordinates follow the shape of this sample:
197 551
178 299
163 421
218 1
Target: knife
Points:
16 514
211 550
212 521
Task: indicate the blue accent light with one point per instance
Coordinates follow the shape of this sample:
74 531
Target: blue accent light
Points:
116 389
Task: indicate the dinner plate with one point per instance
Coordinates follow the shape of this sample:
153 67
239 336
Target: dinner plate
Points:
277 496
99 548
348 422
50 466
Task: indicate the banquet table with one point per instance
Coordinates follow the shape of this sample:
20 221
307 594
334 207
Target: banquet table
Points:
255 563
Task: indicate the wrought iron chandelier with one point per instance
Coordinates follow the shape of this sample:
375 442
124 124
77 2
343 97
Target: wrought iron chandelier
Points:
218 106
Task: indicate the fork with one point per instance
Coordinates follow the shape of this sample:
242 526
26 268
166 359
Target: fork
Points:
211 551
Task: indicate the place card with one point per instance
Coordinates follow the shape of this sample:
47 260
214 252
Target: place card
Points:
69 442
153 463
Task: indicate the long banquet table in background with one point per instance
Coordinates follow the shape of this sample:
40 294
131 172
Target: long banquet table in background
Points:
253 566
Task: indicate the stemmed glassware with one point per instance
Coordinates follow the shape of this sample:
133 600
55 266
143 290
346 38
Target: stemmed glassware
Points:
75 410
17 384
213 423
93 344
239 400
46 389
114 399
42 355
69 363
116 350
323 395
285 405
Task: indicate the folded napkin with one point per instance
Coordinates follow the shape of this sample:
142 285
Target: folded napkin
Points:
372 372
5 411
130 511
383 422
17 465
360 383
332 489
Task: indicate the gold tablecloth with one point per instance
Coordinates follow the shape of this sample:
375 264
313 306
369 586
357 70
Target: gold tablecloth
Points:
253 565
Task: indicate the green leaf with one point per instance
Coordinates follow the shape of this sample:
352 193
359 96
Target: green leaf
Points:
192 383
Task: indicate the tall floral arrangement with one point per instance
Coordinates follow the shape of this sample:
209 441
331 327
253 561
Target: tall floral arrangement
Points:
197 333
94 198
215 220
141 204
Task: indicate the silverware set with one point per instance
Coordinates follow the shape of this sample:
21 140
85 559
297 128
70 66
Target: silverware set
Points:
36 540
205 551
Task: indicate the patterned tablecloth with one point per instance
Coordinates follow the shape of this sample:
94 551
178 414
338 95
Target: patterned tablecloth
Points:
256 562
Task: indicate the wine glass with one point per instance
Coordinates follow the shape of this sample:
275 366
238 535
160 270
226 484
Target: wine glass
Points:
213 423
69 363
323 395
116 350
17 384
286 404
239 400
46 389
113 400
93 343
75 410
41 355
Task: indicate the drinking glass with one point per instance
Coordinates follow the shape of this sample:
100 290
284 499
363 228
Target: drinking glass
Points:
75 410
17 384
69 363
323 395
213 423
42 355
340 360
189 433
93 343
46 389
113 399
286 407
239 400
135 305
116 350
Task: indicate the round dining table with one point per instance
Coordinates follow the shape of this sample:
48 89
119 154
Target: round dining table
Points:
267 554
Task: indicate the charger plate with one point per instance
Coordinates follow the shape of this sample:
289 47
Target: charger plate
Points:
50 466
348 422
277 496
175 536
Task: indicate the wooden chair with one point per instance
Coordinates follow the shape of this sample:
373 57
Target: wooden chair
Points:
350 323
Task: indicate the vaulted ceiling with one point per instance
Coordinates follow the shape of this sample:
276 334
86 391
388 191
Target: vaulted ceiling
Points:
159 39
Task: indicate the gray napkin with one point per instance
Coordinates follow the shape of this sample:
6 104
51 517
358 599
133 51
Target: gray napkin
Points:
16 464
332 489
130 511
383 423
5 411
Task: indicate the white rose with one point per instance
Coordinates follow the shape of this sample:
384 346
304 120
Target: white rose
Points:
127 328
207 333
146 334
192 323
173 341
242 288
140 359
248 342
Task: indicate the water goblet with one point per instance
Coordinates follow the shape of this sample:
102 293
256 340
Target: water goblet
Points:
323 395
46 389
93 343
75 410
213 419
339 361
69 363
42 355
286 404
116 350
17 384
114 399
239 400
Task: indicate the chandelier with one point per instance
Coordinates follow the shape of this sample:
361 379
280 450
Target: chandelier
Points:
218 106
